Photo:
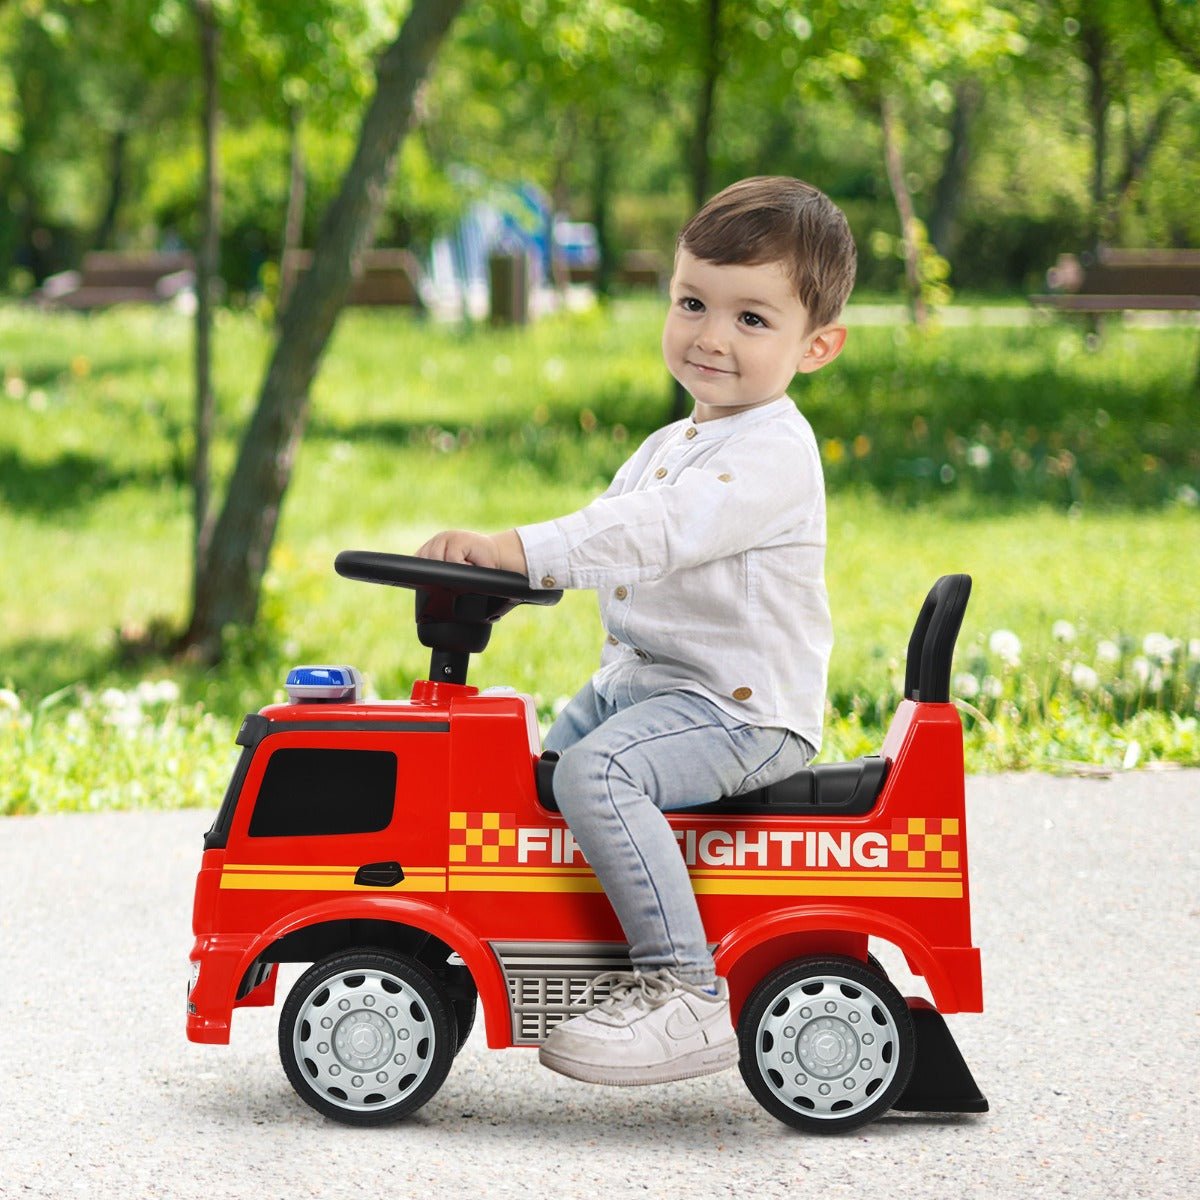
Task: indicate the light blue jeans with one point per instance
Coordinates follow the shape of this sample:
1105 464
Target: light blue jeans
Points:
622 767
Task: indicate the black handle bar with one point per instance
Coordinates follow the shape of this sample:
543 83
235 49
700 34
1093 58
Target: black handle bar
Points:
931 647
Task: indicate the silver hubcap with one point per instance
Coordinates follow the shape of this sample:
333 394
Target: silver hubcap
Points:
827 1047
364 1039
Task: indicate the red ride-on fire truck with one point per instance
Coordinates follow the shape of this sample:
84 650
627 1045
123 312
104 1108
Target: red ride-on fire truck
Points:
413 853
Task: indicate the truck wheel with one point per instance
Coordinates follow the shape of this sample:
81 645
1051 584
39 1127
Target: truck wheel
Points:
827 1044
367 1037
464 999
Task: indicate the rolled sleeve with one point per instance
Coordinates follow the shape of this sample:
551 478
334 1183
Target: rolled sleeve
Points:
545 554
596 546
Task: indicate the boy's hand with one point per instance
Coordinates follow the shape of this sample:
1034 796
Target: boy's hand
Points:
461 546
503 550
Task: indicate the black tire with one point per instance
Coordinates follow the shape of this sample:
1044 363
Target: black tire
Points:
367 1037
464 999
827 1044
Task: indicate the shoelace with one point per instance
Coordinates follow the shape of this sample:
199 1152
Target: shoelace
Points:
646 991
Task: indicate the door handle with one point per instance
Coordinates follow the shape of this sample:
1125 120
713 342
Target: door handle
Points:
379 874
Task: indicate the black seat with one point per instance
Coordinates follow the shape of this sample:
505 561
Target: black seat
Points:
844 788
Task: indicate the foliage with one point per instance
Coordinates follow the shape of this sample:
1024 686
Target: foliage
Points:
1113 701
556 93
88 78
78 751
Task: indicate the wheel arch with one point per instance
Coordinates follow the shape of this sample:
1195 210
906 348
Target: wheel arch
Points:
421 931
752 950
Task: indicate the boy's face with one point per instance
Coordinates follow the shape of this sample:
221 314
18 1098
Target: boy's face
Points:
736 335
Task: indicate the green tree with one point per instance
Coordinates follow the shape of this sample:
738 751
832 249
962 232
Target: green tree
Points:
1134 55
556 91
86 80
307 60
1179 23
228 588
277 53
891 58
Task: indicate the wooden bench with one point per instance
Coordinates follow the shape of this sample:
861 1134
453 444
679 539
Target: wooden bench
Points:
386 278
1123 280
644 269
113 277
637 269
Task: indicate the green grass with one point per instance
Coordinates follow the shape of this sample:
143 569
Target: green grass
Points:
1063 481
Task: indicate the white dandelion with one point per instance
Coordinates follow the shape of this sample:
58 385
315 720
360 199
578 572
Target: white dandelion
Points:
1084 678
1007 646
966 685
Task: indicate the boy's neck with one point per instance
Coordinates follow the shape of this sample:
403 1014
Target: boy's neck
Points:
704 414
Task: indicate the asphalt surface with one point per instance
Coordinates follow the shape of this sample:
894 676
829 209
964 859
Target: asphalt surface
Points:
1087 911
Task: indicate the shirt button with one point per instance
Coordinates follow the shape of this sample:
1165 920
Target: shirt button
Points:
742 693
661 473
691 433
548 581
612 641
640 653
621 592
725 478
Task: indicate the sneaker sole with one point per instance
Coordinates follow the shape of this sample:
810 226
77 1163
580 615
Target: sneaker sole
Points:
689 1066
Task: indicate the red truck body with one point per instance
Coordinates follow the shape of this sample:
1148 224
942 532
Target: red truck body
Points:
419 828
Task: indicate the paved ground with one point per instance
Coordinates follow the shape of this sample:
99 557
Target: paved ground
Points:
1086 906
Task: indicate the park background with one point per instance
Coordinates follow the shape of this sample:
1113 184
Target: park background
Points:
175 480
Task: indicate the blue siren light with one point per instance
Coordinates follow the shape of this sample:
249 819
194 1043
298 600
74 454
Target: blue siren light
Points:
323 683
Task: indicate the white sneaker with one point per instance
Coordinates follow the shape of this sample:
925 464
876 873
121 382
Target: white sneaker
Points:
650 1029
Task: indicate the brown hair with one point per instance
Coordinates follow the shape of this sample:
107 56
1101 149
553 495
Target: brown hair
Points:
774 218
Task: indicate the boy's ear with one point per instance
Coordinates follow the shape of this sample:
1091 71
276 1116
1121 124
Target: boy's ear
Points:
825 345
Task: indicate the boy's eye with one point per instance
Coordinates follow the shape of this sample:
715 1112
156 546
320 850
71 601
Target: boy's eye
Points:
691 304
754 320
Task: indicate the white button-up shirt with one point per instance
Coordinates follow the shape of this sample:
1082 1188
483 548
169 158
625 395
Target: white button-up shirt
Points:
707 552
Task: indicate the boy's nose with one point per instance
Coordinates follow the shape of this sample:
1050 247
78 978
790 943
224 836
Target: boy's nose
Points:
711 340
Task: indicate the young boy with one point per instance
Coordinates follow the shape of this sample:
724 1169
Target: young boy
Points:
707 553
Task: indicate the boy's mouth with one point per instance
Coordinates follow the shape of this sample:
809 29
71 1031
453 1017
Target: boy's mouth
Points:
705 369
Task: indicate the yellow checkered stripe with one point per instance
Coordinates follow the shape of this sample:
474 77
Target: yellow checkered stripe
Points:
478 837
284 877
926 842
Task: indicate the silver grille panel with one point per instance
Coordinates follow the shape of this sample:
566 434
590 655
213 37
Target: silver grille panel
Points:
547 980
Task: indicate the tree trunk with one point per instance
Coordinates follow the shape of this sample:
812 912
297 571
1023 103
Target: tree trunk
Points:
207 267
1137 156
1095 57
894 160
229 589
602 144
706 104
116 190
560 196
701 156
947 196
293 221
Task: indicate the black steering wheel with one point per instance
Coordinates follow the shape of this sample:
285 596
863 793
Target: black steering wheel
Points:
457 603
